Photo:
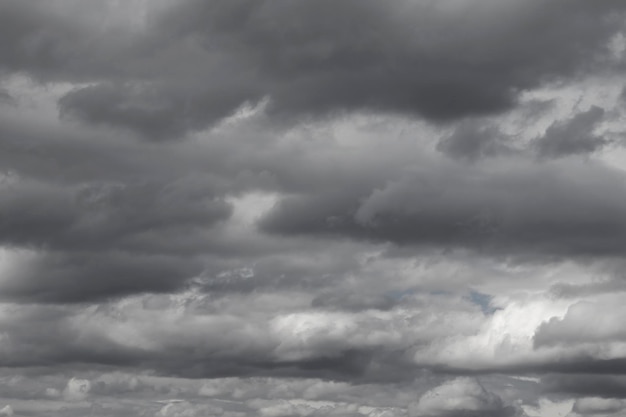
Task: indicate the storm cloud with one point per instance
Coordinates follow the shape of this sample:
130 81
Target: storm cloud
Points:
195 63
316 208
566 208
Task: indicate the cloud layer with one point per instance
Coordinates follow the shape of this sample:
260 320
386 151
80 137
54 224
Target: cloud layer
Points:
271 208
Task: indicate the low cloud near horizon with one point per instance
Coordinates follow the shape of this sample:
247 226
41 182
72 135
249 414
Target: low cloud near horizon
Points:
312 208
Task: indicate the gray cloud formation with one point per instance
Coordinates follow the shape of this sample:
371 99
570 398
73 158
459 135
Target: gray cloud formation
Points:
157 112
461 397
103 239
102 215
372 201
5 97
587 385
472 140
323 56
558 208
598 406
572 137
193 63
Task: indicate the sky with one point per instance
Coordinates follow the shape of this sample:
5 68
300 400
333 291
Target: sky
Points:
343 208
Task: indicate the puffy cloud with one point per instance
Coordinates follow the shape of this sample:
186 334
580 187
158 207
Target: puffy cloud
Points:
77 389
582 323
371 202
77 277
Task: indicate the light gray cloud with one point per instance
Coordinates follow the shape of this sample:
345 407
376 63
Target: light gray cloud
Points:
461 397
581 324
594 406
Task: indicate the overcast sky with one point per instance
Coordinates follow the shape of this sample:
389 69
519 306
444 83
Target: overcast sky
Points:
305 208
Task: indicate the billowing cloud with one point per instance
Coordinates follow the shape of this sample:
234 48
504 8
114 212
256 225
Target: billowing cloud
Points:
556 209
272 208
593 406
471 140
77 389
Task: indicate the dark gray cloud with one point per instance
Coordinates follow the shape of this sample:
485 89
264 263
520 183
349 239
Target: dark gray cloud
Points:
555 210
105 215
66 41
83 277
5 97
586 385
193 63
572 137
401 58
156 111
351 301
103 239
371 199
472 140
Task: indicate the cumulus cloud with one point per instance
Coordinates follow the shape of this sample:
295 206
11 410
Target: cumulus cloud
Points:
76 389
265 207
472 139
586 385
555 210
582 323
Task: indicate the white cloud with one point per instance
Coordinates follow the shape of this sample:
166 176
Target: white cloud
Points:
77 390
